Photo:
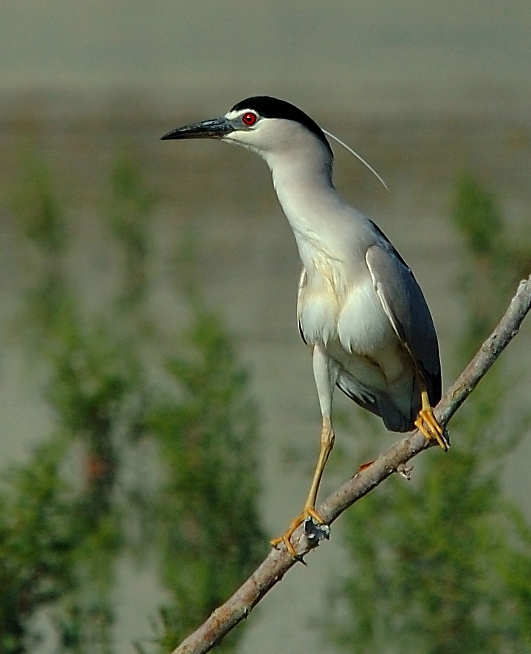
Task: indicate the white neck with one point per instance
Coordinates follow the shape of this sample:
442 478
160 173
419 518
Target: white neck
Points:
303 183
321 221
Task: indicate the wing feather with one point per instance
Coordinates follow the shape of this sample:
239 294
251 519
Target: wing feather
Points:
404 304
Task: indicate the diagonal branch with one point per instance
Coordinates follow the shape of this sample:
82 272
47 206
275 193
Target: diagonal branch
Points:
278 562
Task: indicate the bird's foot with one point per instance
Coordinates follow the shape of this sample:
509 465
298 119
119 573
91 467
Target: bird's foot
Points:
314 528
432 430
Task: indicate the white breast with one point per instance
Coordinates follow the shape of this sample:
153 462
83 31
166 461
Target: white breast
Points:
354 330
362 325
329 310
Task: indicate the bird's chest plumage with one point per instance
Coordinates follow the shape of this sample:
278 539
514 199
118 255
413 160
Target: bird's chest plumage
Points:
340 307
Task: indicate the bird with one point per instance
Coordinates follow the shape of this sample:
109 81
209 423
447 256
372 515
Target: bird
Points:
360 309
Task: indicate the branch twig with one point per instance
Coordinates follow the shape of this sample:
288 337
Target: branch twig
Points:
278 562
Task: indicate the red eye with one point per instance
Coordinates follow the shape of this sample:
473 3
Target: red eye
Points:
249 119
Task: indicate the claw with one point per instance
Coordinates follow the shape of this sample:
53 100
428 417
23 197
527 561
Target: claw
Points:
309 514
428 425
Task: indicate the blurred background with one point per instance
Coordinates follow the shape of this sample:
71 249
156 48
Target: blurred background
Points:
159 417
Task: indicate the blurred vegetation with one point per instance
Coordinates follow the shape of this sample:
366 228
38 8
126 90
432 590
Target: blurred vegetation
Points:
153 449
207 509
153 454
441 565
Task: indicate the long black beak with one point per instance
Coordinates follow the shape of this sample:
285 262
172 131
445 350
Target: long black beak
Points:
216 128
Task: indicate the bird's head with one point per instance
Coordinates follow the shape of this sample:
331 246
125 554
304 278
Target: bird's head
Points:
266 125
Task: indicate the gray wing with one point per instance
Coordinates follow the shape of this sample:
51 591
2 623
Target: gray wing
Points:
406 308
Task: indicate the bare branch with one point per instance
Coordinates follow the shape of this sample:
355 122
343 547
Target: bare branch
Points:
278 562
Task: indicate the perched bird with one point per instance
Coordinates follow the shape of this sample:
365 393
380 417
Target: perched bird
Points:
360 309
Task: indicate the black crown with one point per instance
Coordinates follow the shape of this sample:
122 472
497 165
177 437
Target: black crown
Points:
268 107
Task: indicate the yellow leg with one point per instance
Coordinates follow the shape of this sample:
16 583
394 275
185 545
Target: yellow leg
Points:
428 425
327 443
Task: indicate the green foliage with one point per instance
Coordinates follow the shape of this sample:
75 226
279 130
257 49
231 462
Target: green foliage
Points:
51 555
478 217
49 305
441 565
494 263
130 209
38 538
67 515
36 201
438 568
208 524
91 382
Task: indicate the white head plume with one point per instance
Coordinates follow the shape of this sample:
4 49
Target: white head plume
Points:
358 157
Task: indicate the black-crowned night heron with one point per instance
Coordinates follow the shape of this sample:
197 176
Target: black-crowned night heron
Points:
360 309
